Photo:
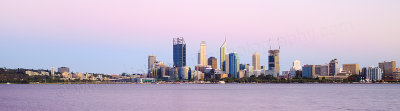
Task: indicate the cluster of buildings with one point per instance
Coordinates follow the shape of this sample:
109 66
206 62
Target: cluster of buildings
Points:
229 66
385 71
64 74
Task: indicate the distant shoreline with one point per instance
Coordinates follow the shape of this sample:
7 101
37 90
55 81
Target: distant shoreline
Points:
196 83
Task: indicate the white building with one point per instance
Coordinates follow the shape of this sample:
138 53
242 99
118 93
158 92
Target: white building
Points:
373 73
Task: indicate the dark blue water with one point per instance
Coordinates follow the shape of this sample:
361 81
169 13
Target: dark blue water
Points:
198 97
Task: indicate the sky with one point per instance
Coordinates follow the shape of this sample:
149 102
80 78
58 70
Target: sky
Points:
115 36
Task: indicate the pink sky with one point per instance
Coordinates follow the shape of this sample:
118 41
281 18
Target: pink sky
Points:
354 31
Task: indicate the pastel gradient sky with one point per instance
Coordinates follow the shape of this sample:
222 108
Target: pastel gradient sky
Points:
115 36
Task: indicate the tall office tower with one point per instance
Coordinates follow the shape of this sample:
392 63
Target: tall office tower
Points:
212 61
234 65
52 71
333 67
226 63
388 69
203 53
256 61
308 71
179 52
273 60
151 60
353 68
222 53
63 69
372 73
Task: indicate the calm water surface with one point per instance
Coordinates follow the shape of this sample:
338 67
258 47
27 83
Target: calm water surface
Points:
198 97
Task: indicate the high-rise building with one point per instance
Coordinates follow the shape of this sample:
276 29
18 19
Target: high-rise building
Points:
333 67
322 70
233 65
308 71
256 61
353 68
179 52
203 53
63 69
388 69
273 60
212 61
296 66
372 73
151 60
226 63
52 71
222 55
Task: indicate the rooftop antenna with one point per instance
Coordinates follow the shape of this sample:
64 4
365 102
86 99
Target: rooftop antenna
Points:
270 44
225 38
279 44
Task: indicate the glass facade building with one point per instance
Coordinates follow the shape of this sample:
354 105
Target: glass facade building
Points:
233 65
179 52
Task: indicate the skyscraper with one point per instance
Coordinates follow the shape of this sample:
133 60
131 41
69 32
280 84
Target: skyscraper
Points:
203 53
179 52
151 59
226 63
388 69
222 55
333 67
273 61
256 61
234 65
212 61
353 68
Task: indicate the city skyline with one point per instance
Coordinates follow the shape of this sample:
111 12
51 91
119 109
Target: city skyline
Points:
88 40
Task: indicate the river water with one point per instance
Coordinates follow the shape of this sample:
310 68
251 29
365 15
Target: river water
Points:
200 97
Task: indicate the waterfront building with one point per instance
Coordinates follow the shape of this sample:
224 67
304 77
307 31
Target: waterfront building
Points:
184 73
63 69
308 71
296 66
52 71
256 61
353 68
179 52
249 71
257 73
333 67
222 55
372 73
388 69
272 72
233 65
322 70
242 74
273 61
212 61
